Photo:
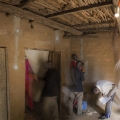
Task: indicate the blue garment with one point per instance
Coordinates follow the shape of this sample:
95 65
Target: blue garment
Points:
108 107
77 78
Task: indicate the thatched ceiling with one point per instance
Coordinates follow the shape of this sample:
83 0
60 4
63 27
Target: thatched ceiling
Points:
83 15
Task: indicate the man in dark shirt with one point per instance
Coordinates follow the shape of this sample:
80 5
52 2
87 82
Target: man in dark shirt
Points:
77 88
50 93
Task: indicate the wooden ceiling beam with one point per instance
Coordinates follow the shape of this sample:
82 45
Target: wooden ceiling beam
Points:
80 36
103 29
23 3
40 19
15 2
93 24
99 5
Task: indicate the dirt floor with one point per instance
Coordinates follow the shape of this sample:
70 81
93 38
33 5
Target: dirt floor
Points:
92 114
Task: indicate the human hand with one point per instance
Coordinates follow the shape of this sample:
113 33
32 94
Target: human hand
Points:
109 94
104 95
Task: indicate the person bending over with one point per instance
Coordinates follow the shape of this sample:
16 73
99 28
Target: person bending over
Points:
108 89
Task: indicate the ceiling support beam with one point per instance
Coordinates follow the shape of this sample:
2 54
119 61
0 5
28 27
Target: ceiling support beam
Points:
100 5
80 36
31 16
103 29
94 24
15 2
23 3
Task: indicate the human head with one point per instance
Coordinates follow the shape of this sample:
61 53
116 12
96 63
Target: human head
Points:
95 90
78 64
74 57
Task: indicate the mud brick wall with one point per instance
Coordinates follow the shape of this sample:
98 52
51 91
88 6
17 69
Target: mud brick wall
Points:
16 35
98 53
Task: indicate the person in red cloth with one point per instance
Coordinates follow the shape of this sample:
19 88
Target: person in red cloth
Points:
74 60
29 78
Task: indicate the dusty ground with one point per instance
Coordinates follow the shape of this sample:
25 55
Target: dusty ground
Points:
36 114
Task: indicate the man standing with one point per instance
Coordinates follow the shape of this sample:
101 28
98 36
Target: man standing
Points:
50 93
108 89
77 88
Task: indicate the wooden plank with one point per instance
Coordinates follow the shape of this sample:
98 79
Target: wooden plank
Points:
100 5
5 1
93 24
15 2
80 36
89 31
31 16
46 4
24 3
103 29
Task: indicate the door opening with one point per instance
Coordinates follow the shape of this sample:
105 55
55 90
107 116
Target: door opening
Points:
37 60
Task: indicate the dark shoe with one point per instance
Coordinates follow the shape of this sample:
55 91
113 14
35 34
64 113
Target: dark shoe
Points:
103 117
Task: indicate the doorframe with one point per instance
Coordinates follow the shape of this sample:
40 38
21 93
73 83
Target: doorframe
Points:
7 84
39 49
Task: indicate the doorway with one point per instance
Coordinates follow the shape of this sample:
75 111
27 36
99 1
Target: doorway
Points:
37 60
3 85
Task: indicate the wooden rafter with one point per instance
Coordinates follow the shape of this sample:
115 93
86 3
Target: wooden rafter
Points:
46 4
31 16
90 31
15 2
23 3
79 36
100 5
93 24
103 29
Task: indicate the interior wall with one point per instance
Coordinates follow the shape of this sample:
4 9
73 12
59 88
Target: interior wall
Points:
98 53
16 35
